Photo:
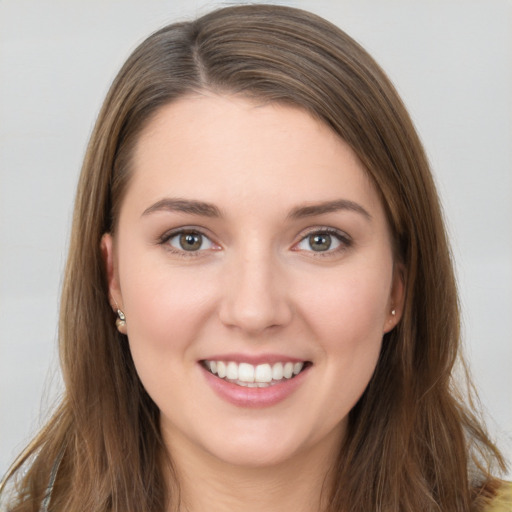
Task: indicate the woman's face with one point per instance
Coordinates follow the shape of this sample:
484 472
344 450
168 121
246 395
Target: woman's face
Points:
251 245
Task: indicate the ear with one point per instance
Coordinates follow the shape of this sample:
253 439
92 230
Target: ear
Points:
110 263
396 298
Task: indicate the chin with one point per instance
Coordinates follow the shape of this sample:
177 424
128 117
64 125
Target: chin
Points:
267 446
255 455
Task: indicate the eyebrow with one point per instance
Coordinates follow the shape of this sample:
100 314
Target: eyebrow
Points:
328 207
184 206
205 209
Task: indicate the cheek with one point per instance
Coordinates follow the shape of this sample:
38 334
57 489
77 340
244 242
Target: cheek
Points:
350 306
348 317
164 306
165 314
348 324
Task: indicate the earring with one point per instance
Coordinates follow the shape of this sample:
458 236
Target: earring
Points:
121 318
393 312
121 322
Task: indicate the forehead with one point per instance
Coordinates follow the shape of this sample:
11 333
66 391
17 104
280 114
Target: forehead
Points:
228 148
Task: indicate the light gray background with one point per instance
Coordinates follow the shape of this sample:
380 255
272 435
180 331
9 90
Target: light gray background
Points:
451 60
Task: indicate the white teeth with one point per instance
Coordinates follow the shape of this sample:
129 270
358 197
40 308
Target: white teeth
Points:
277 371
232 371
245 372
248 375
263 373
221 369
288 370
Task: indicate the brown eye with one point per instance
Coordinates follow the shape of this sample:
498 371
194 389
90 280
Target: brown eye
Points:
189 241
324 241
320 242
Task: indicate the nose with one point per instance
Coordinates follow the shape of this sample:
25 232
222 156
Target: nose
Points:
255 296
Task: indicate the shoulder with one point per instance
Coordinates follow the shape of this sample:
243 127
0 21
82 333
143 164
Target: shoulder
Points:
503 500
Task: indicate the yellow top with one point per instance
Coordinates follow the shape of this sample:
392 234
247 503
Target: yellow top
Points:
503 501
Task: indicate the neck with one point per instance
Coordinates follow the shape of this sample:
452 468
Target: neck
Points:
299 484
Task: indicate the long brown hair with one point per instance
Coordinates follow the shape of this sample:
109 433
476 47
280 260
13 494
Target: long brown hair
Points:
412 442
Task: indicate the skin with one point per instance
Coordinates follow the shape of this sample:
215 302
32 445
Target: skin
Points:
254 287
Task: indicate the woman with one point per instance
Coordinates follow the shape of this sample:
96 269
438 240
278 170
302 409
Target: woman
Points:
259 306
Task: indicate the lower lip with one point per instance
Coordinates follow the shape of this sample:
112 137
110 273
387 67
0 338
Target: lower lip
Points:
242 396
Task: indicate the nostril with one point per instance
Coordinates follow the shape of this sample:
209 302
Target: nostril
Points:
254 296
253 312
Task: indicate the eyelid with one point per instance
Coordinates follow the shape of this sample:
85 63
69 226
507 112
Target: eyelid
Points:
168 235
344 239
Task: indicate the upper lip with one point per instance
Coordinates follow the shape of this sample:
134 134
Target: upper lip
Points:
254 359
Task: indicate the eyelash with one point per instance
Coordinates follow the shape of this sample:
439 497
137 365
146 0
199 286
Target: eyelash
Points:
166 237
345 242
342 238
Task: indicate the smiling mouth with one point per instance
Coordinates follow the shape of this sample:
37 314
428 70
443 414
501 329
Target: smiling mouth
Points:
255 376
